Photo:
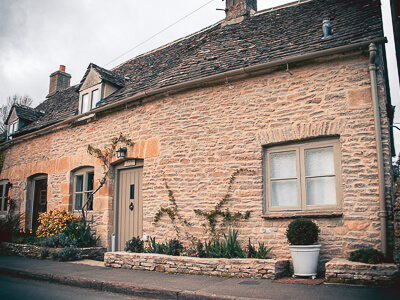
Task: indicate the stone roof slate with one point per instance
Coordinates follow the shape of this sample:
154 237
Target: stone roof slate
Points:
267 36
27 113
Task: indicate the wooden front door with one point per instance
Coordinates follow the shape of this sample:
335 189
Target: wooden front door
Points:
129 206
39 200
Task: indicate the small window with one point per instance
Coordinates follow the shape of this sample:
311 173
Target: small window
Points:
4 186
85 103
83 187
12 128
95 98
303 176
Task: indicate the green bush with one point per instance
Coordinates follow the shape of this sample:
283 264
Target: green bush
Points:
200 251
60 240
44 253
227 248
262 251
81 234
302 232
134 245
367 256
174 247
155 247
66 254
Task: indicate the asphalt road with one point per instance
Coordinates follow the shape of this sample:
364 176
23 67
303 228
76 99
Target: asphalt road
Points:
21 289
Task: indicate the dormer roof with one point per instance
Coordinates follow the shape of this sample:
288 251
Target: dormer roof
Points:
104 74
25 113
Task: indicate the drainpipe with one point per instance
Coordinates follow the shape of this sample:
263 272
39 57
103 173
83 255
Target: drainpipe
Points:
377 120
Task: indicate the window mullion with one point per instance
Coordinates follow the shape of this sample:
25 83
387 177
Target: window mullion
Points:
302 178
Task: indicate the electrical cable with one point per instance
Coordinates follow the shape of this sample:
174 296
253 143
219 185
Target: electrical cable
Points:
154 35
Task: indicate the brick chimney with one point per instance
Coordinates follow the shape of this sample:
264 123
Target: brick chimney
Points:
59 80
239 10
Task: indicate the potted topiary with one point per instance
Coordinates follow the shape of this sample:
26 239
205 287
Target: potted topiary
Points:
302 235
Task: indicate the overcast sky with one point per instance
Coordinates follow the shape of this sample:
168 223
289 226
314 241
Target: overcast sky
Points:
37 36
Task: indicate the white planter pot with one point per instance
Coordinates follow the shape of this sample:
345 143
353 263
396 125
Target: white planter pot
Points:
305 259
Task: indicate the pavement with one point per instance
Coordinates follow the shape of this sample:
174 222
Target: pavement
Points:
94 275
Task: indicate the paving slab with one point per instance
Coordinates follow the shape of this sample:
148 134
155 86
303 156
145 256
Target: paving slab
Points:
177 286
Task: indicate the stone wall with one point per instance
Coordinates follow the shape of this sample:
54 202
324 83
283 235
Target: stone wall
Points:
344 271
194 141
31 251
235 267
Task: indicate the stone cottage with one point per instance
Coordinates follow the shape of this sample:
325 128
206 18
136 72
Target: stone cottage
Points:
287 109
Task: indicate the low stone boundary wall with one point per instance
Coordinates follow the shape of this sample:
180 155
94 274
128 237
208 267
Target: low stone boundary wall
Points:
235 267
345 271
95 253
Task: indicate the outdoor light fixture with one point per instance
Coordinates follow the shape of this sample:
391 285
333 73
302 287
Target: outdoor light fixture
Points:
121 152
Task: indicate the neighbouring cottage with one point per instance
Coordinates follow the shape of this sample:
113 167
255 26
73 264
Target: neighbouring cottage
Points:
295 95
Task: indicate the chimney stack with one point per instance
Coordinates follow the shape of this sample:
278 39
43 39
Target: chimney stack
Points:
239 10
59 80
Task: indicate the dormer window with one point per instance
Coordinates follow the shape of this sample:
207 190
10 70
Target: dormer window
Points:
12 128
97 84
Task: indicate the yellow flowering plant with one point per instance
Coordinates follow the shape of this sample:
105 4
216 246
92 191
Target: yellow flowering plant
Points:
53 222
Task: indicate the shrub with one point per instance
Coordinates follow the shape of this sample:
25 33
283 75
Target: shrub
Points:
200 251
367 256
251 251
227 248
66 254
81 233
134 245
60 240
155 247
53 222
174 247
302 232
44 253
26 237
263 251
9 226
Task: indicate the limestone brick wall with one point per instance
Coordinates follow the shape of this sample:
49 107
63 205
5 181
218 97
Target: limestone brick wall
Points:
194 141
235 267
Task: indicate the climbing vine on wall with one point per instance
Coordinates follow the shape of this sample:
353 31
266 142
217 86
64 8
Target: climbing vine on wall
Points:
211 216
105 155
227 216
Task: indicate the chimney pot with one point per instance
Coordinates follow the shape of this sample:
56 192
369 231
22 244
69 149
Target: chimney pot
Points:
59 80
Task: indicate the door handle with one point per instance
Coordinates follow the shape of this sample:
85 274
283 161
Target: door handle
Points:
131 206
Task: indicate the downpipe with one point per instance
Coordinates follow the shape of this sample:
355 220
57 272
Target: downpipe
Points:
377 122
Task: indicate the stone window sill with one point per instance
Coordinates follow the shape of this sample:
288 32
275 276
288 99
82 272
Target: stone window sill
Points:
300 214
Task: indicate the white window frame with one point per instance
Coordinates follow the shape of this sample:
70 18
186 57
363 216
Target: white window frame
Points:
299 149
85 174
3 196
92 99
13 127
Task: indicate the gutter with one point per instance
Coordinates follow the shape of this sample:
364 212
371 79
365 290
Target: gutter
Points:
378 135
197 82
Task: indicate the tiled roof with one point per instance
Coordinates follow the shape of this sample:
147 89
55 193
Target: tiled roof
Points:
266 37
62 105
27 113
105 75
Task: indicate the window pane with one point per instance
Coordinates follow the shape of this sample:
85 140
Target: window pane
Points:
95 98
283 165
90 205
284 192
1 190
89 185
321 191
79 183
85 103
78 201
319 162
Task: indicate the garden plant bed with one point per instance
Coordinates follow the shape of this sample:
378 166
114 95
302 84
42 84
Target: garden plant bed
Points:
345 271
95 253
234 267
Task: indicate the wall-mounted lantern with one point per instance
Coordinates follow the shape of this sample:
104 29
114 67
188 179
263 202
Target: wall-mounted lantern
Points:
121 152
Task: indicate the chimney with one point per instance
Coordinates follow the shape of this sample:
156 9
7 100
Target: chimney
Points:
239 10
59 80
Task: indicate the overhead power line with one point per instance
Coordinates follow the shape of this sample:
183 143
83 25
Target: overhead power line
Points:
158 33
